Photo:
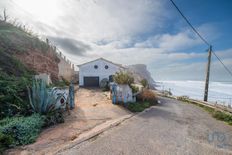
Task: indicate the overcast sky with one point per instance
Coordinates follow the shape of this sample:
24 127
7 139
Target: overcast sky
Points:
150 32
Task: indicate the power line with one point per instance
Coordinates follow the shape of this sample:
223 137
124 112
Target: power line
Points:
190 24
226 68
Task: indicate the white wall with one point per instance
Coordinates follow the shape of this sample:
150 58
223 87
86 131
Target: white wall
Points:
89 70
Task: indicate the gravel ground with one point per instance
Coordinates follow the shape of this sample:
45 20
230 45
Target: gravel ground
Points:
172 128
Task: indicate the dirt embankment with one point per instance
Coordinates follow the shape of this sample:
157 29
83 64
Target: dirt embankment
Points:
19 44
40 62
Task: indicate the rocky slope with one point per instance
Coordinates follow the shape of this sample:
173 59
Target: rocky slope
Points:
140 72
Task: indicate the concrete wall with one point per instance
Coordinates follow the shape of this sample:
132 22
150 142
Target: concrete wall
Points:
66 69
89 70
45 77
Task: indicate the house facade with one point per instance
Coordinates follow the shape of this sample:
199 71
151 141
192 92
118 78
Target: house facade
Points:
91 73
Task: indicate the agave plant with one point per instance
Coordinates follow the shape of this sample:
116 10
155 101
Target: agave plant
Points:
41 100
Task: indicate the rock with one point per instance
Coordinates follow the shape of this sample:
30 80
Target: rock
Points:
140 72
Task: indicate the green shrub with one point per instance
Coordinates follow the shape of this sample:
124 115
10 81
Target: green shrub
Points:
123 78
13 95
148 96
21 130
67 83
134 88
144 83
214 112
60 83
5 142
138 106
54 117
223 116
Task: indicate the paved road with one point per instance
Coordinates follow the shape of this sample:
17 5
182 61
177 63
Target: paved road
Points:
169 128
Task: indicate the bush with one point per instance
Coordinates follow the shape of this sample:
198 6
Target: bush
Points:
138 107
53 118
66 82
60 83
5 142
21 130
148 96
13 95
223 116
135 89
123 78
144 83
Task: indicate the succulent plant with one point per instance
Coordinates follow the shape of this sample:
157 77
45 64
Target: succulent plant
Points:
41 99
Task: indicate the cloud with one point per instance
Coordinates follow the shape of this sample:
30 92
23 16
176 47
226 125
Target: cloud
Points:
71 46
122 31
173 42
110 20
173 69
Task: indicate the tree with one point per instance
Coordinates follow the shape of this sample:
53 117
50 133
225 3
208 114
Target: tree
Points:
144 82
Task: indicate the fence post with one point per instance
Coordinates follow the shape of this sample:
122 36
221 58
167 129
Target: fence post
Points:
71 96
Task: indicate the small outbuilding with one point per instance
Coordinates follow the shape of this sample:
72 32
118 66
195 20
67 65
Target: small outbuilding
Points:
91 73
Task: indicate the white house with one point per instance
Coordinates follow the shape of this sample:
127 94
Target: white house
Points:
91 73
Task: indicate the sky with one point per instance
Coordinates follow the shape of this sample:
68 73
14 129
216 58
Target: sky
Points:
149 32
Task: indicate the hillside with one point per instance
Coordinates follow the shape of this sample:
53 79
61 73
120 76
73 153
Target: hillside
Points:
22 55
140 72
21 51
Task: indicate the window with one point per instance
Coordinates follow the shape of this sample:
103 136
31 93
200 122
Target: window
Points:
106 66
96 66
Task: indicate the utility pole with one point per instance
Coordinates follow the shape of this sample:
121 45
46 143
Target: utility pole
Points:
207 74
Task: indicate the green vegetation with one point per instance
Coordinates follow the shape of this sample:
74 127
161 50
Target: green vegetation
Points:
145 99
138 106
20 130
144 83
123 78
53 118
16 38
5 142
13 95
219 115
14 76
41 100
223 117
20 121
134 88
61 83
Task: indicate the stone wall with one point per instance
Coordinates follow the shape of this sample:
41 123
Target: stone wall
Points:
66 69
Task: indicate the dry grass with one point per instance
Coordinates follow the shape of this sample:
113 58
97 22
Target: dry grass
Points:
147 95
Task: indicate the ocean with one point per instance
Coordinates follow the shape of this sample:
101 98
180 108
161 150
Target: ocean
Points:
219 92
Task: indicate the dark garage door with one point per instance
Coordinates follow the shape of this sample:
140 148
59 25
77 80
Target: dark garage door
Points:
91 81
